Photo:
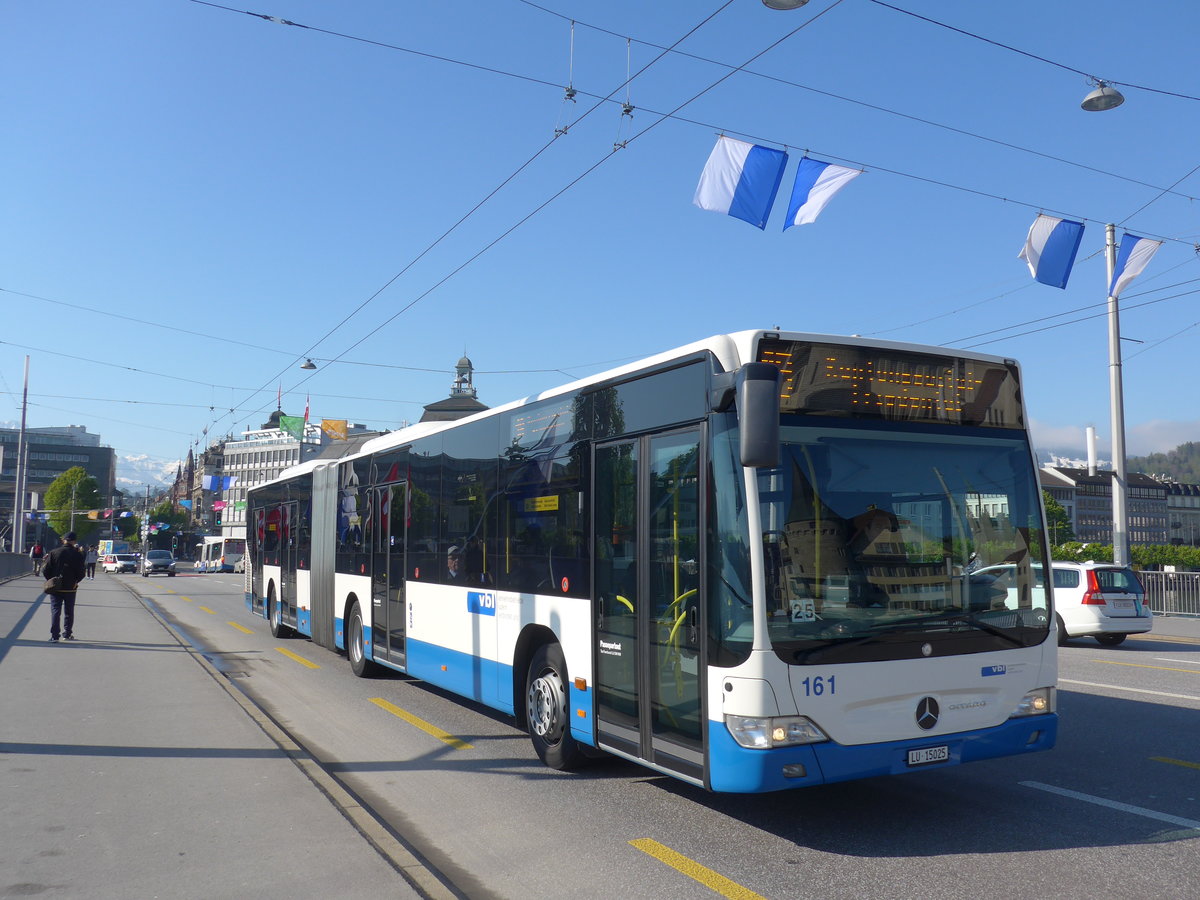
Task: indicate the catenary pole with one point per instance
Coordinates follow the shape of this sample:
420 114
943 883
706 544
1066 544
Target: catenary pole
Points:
1120 518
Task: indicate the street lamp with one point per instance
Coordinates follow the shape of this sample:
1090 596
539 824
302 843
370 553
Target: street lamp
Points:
309 364
1102 98
784 4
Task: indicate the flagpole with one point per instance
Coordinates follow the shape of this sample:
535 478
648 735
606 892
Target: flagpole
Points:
1120 519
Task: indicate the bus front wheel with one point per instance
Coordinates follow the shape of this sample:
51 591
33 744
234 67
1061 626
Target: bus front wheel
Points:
356 648
546 709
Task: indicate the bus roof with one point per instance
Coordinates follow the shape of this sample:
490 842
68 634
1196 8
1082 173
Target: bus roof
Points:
730 350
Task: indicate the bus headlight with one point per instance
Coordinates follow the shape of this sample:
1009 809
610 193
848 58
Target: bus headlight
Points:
1037 702
756 733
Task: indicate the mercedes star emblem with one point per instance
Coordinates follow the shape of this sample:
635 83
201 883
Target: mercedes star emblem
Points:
927 713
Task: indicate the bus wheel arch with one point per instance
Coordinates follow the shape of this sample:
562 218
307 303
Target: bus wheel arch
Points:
547 690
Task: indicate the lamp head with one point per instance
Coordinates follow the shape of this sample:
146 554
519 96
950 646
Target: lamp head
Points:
784 4
308 364
1102 98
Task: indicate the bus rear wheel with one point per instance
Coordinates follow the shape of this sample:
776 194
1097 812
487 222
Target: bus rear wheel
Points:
356 645
275 617
546 709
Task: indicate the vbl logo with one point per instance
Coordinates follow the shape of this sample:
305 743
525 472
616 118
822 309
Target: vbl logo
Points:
992 670
481 603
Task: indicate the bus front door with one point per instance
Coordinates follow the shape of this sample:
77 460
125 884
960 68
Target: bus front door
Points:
387 581
648 567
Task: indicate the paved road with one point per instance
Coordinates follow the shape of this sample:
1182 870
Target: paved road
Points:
128 768
1114 811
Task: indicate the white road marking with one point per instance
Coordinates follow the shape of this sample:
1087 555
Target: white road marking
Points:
1189 662
1113 804
1117 687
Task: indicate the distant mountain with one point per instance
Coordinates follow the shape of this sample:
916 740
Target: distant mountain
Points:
1181 464
135 472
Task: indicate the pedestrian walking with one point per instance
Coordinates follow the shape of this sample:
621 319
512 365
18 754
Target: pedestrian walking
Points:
90 561
37 554
64 568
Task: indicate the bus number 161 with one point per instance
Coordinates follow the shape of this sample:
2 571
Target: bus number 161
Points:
818 685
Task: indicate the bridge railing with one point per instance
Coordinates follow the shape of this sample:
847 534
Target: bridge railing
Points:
1172 593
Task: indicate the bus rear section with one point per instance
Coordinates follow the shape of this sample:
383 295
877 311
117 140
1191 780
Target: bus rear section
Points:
220 554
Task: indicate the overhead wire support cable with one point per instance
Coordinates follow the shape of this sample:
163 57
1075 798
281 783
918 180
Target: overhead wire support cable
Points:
597 105
1043 59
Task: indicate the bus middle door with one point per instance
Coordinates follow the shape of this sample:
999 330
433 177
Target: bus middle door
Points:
388 571
288 523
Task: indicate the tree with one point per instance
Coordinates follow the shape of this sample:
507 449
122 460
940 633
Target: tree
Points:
74 490
1057 521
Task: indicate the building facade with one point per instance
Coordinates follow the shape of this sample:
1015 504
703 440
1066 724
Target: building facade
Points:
1087 498
51 452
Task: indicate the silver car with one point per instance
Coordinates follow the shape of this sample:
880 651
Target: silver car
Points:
158 562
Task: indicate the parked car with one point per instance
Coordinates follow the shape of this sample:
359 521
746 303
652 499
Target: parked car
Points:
158 562
1100 600
240 565
120 562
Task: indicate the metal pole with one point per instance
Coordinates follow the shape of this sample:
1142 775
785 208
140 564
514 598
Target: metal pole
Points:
1120 529
18 529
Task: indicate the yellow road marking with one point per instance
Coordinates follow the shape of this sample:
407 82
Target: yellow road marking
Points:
242 628
1175 762
170 590
211 612
408 717
186 599
1109 662
300 659
692 869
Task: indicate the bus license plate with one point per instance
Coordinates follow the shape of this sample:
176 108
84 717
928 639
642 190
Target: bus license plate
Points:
927 755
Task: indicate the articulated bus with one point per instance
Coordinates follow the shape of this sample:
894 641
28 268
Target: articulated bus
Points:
219 554
752 563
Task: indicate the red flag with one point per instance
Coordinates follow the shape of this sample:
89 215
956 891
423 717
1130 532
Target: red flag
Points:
279 397
306 409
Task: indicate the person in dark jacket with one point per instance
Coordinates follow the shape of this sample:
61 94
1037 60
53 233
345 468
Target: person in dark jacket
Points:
67 562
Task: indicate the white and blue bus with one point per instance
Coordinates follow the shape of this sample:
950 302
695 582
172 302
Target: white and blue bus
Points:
219 554
747 563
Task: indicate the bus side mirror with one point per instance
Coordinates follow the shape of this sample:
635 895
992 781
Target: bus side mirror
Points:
758 414
755 389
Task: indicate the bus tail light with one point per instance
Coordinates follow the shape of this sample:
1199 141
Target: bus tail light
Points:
755 733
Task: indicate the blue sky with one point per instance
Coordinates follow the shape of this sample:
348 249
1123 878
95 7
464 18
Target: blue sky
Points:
234 188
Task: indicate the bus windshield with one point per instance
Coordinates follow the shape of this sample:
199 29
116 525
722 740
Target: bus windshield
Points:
872 536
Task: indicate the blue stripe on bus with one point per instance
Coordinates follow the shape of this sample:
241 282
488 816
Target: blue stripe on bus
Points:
304 622
735 768
480 679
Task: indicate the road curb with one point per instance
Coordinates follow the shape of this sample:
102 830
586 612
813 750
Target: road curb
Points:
389 845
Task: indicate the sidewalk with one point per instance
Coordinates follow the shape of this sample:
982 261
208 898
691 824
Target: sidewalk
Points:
127 769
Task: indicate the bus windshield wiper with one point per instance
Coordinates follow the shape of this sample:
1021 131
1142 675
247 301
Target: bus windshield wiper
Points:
881 630
946 618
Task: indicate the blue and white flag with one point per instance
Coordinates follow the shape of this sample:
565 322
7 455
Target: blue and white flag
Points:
208 482
816 184
228 481
1132 258
741 180
1050 249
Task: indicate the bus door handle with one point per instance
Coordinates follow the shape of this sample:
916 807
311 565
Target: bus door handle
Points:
693 635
